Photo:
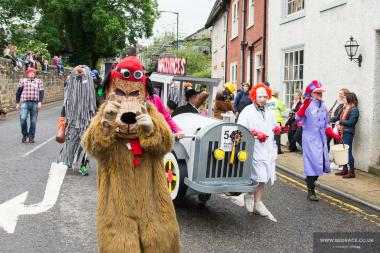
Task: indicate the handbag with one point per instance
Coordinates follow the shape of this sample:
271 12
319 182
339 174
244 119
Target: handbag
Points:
60 137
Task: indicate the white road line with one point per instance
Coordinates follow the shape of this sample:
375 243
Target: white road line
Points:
38 147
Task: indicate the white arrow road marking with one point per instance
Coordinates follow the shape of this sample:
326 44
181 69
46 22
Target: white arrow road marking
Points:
11 209
239 200
38 147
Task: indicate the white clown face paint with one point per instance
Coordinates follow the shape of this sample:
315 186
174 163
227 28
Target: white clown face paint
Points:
261 96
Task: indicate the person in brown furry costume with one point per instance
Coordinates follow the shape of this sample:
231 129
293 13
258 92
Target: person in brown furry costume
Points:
129 138
222 104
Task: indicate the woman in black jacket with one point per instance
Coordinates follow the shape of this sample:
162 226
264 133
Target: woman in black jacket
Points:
336 111
347 123
292 123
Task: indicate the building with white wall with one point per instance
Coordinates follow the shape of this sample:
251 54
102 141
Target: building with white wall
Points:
306 40
217 21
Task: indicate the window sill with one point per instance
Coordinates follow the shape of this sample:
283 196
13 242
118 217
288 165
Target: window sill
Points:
233 37
332 5
293 17
250 26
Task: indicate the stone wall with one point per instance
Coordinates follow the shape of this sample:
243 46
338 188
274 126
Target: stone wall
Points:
9 79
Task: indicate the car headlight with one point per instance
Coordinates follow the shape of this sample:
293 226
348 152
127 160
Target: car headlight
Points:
219 154
242 156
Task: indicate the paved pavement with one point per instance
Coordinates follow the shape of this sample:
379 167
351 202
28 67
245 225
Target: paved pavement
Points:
365 186
223 225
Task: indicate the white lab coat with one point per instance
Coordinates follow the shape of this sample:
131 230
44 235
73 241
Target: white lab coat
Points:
264 154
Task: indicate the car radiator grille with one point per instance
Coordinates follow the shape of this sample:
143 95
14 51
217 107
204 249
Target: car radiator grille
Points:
223 168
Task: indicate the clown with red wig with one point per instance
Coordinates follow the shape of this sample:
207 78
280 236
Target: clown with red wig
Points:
262 122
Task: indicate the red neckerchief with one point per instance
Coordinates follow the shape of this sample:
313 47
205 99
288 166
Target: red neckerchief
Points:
136 151
344 117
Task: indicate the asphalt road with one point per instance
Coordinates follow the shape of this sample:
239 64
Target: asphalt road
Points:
223 225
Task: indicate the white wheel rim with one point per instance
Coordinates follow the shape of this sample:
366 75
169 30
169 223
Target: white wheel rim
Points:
172 174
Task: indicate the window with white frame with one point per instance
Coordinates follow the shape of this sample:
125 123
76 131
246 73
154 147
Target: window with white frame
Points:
233 72
251 13
258 68
248 77
235 19
294 6
293 73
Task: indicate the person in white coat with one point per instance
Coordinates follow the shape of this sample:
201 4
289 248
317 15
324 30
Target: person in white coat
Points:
261 121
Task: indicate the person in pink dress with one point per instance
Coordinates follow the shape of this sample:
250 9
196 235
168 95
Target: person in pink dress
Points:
156 100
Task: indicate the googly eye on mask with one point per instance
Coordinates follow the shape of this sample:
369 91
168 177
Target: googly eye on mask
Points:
126 73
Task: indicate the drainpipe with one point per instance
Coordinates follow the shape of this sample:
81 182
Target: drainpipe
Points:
250 49
264 41
243 42
225 60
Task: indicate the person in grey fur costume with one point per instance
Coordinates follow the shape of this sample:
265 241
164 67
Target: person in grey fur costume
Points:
78 109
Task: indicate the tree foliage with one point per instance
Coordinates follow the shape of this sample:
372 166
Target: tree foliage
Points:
159 47
35 46
198 60
89 29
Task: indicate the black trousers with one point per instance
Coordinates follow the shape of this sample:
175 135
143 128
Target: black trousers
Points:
292 140
277 139
298 135
310 181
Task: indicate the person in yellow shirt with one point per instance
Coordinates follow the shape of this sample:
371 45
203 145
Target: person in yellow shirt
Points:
278 108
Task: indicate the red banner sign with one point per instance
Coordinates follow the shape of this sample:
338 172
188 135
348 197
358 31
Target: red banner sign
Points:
172 65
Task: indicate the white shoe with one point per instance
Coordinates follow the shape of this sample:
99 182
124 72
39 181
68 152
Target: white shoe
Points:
260 209
249 202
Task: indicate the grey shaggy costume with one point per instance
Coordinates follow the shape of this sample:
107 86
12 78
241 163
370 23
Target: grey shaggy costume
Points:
80 108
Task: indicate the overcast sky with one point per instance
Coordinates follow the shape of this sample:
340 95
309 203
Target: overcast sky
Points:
192 16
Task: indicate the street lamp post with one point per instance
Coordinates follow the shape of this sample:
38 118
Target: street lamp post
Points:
176 13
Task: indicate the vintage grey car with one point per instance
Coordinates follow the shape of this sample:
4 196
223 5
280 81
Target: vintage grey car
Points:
215 156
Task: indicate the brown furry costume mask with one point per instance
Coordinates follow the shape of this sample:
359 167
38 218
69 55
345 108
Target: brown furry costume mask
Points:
128 82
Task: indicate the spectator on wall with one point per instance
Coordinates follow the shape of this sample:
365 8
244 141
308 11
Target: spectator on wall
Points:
45 66
10 53
28 60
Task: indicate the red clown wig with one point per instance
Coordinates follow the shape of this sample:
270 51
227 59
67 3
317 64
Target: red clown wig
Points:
252 93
